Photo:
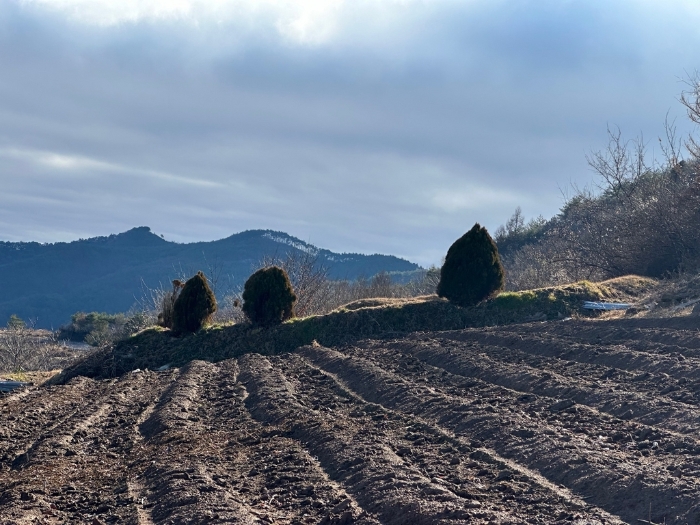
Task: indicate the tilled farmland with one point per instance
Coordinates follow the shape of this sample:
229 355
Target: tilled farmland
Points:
584 422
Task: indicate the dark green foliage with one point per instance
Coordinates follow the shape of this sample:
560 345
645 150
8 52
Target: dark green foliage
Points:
268 297
194 305
87 327
472 271
15 323
98 328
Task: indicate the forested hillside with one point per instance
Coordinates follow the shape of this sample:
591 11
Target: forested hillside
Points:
49 282
639 218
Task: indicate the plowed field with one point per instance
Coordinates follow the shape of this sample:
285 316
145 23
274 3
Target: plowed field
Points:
559 422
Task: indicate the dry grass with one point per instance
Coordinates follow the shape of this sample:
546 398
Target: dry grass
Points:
383 302
34 378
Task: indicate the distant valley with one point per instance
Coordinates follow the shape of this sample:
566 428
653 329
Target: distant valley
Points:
50 282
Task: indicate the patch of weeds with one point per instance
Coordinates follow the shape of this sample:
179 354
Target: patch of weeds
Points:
514 300
16 376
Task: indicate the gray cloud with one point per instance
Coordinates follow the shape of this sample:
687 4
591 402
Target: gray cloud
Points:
385 127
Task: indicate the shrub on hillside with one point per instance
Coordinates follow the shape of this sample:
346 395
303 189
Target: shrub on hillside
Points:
15 322
92 327
194 305
472 270
309 278
98 328
167 304
268 297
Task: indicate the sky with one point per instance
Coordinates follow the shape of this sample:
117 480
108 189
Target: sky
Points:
370 126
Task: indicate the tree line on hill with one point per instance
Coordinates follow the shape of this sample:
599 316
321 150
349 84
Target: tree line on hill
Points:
50 282
642 217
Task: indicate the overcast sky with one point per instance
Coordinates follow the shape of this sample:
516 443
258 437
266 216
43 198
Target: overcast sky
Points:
368 126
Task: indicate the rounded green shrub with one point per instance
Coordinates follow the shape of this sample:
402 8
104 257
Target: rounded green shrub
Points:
268 297
472 271
194 305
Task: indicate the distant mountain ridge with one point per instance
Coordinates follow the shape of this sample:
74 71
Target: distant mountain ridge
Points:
50 282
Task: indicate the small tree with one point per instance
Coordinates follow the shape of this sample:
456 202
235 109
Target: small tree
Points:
268 297
472 270
194 305
22 347
15 322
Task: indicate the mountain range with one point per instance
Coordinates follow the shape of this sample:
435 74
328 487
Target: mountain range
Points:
49 282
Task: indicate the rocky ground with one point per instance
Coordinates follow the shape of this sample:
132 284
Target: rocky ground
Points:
560 422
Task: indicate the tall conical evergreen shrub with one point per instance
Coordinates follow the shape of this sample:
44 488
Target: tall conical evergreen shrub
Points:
472 271
268 297
194 306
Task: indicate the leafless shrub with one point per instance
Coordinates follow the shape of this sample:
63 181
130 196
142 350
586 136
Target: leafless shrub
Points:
382 285
690 98
424 284
317 294
309 278
642 220
23 348
155 306
230 310
167 304
543 264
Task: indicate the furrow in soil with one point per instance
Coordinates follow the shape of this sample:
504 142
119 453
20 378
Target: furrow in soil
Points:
593 454
680 332
38 414
81 468
396 466
665 362
213 463
648 398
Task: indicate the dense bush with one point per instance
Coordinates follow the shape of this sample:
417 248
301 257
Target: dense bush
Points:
99 328
268 297
194 305
15 322
91 327
472 270
646 225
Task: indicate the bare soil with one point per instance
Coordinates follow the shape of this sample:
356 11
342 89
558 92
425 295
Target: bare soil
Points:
585 422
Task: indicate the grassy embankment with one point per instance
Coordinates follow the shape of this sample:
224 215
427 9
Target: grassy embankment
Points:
372 318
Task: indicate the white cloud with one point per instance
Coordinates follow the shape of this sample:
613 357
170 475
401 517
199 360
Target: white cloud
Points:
365 125
78 164
310 22
474 198
300 21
